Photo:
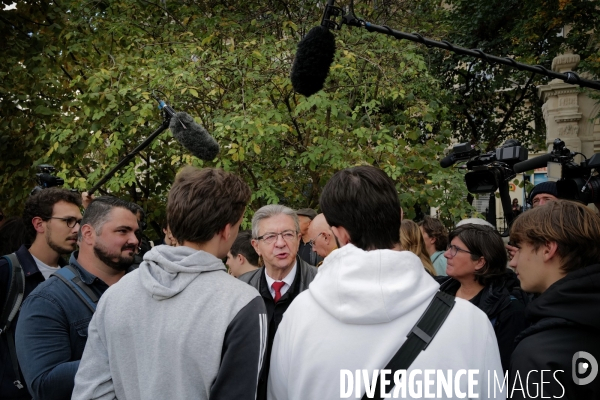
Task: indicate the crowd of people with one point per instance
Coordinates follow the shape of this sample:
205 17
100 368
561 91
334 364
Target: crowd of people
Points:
279 311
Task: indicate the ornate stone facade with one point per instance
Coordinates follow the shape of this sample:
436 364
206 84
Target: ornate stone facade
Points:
568 112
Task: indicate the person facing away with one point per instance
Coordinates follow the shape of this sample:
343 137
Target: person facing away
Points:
477 272
558 257
275 236
305 250
52 330
411 240
179 326
242 257
51 220
322 242
435 236
366 298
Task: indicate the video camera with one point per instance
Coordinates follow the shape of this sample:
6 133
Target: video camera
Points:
573 181
45 179
490 170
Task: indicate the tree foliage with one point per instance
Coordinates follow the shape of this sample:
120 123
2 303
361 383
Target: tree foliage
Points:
492 102
76 93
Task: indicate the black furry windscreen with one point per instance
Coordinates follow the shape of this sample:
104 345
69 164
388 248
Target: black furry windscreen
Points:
314 56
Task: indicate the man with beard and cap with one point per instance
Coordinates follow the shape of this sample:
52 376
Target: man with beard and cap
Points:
51 219
52 329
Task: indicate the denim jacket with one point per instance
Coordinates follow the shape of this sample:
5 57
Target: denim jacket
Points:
52 333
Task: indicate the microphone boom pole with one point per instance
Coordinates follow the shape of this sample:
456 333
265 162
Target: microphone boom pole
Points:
351 20
130 156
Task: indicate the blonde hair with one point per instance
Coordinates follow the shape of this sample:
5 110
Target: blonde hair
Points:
411 239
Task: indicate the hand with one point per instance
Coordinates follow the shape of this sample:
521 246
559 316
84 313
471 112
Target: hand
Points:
86 199
512 250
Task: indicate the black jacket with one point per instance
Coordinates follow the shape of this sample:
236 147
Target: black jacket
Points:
305 273
504 303
565 320
33 277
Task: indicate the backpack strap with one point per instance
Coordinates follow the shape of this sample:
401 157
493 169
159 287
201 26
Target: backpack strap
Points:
14 298
70 276
419 337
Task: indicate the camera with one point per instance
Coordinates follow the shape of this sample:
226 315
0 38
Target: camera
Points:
45 179
574 181
487 171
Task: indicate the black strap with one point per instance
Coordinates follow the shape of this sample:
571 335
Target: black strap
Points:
418 338
13 357
14 298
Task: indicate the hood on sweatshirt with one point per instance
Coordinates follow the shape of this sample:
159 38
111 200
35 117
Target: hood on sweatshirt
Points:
371 287
167 271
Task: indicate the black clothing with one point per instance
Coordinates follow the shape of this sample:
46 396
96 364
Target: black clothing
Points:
306 253
305 273
504 303
566 320
33 277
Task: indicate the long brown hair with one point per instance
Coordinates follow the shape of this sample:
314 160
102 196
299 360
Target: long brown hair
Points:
411 239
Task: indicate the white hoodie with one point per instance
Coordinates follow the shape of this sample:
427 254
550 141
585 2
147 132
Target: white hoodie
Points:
356 315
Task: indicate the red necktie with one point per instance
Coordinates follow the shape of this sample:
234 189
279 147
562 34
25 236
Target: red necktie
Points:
277 287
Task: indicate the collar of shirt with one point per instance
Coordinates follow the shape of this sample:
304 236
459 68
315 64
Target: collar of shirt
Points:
288 280
44 268
86 277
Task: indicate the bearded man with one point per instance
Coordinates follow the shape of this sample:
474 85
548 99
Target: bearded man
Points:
52 329
51 218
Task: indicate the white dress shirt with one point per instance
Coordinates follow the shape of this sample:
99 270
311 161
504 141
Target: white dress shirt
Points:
288 280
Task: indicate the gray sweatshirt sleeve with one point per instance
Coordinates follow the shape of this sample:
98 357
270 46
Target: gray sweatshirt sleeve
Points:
93 379
242 354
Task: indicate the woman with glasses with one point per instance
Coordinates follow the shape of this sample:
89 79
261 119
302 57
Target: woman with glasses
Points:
477 272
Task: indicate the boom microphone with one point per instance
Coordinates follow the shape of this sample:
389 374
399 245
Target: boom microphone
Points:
314 56
447 161
527 165
193 136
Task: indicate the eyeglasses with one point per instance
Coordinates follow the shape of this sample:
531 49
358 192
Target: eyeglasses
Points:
270 238
312 241
70 221
454 250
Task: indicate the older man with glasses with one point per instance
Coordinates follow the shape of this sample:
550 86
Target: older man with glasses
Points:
282 276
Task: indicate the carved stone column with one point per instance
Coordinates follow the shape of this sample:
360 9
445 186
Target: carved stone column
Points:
561 105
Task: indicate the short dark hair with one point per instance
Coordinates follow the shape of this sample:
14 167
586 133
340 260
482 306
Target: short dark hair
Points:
572 226
97 212
365 202
41 204
243 245
484 241
435 229
203 201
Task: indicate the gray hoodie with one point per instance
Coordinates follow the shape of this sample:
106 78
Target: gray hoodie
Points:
179 327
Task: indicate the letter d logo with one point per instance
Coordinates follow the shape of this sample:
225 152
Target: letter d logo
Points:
590 364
